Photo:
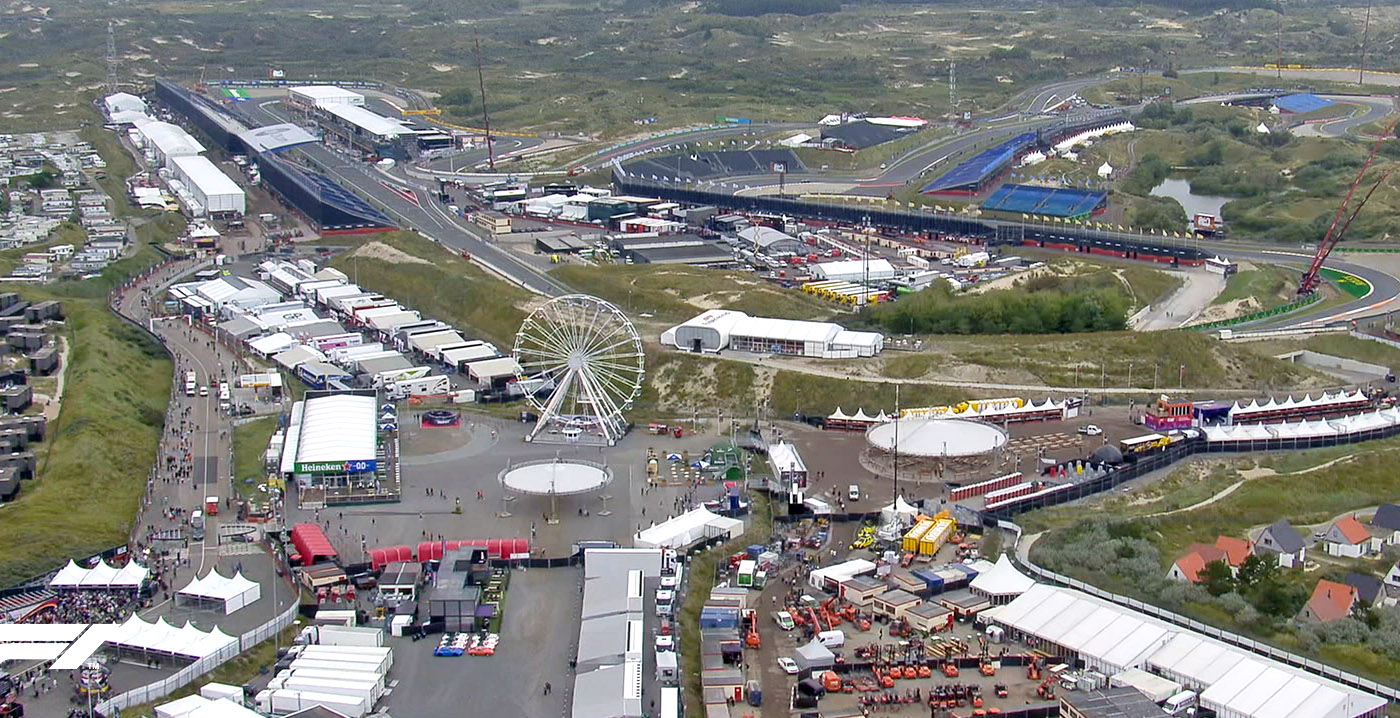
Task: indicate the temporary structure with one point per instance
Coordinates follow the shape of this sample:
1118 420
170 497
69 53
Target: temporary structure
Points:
232 593
103 576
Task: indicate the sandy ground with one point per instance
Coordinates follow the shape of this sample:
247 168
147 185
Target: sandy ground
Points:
1191 299
385 253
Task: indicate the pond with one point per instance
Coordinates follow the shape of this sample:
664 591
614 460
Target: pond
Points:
1180 190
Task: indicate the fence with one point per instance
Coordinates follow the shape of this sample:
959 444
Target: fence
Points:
1249 644
163 688
1291 306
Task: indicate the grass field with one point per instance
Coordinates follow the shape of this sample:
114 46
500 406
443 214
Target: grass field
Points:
99 451
1342 346
676 293
439 285
249 443
1264 287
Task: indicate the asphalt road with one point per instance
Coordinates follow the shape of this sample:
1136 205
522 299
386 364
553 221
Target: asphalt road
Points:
416 208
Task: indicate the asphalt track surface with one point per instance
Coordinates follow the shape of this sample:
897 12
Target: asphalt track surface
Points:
431 218
422 213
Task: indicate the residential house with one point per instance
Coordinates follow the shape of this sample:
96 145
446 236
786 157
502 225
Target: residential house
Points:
1228 550
1331 601
1190 565
1392 577
1349 538
1386 524
1282 539
1369 589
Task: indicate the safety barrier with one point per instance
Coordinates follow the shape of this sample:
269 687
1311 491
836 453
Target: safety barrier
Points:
1276 311
1249 644
165 687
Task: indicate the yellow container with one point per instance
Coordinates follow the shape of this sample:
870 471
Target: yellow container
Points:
911 539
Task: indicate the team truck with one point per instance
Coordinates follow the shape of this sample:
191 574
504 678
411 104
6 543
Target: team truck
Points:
395 375
344 636
421 386
283 702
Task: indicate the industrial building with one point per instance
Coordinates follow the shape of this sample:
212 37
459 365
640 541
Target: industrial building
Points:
210 189
162 141
771 242
1112 639
674 249
855 270
720 329
308 97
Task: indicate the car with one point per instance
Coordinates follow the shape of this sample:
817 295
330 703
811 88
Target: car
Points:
204 391
1090 430
784 620
853 492
788 665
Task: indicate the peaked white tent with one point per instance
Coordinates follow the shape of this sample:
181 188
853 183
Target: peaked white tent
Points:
1002 583
900 511
103 576
1105 170
232 593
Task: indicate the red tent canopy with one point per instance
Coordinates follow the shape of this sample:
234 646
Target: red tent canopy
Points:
495 548
311 543
381 556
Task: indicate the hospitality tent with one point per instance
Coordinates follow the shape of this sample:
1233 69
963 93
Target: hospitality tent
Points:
688 529
901 511
1001 584
157 639
182 707
231 593
103 576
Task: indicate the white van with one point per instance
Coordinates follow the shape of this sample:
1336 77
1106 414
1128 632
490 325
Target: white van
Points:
853 492
1180 704
832 639
664 599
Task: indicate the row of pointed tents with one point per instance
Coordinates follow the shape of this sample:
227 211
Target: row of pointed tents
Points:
840 418
1308 429
1326 402
102 576
159 638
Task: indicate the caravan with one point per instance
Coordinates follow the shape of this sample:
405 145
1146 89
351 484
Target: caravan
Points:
423 386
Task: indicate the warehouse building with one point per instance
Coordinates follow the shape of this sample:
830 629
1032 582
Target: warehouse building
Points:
855 270
675 249
720 329
212 191
162 141
1231 681
309 97
771 242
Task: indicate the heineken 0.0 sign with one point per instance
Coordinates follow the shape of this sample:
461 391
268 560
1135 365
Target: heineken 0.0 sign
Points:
335 467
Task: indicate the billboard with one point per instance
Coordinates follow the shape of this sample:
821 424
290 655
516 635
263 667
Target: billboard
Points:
335 467
1205 222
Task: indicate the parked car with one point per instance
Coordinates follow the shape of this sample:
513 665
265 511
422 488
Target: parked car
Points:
788 665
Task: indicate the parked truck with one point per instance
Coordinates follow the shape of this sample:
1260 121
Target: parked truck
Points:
344 636
368 691
282 702
418 387
394 375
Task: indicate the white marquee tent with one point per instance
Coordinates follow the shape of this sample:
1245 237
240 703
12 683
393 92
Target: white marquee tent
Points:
233 593
690 527
159 639
1002 582
102 576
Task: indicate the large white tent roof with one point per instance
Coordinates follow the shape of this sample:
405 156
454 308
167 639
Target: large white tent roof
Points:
1002 580
682 531
103 576
340 427
235 591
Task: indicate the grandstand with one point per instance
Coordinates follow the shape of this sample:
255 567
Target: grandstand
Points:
714 165
1301 103
1047 201
863 133
974 174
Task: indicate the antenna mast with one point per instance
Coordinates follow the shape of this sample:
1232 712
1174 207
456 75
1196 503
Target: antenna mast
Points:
485 118
1365 36
111 58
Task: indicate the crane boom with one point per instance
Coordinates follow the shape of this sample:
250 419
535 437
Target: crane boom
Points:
1308 283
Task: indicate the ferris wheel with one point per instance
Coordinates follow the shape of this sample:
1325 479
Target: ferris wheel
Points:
585 353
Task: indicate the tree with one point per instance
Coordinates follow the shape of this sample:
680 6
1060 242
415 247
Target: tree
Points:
43 179
1256 569
1216 578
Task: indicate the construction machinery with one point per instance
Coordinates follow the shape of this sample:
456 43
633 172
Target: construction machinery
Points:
1033 669
1311 278
1046 689
1000 690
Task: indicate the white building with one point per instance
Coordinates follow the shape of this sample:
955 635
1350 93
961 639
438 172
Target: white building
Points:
374 125
164 141
855 270
209 186
123 102
323 95
720 329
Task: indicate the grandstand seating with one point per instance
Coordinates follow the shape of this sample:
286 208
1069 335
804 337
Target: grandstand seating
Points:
971 174
1301 103
714 165
1049 201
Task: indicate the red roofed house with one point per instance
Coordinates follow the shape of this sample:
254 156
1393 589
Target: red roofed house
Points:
1350 538
1331 601
1188 567
1236 550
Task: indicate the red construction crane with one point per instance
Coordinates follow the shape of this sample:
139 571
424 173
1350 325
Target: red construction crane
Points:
1335 231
